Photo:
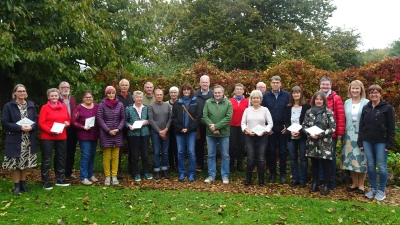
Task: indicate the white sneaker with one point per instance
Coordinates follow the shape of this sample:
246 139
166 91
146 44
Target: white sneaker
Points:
93 179
225 180
209 180
115 181
86 182
107 181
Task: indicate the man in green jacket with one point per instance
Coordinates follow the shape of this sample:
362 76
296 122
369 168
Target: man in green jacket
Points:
217 114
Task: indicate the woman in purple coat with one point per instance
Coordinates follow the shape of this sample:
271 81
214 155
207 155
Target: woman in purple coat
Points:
111 118
20 148
87 134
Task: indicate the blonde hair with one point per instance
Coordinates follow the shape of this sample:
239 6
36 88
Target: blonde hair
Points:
356 83
15 89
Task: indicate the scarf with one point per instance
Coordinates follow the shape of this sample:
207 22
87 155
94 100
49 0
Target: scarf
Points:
186 101
54 107
110 103
238 98
317 111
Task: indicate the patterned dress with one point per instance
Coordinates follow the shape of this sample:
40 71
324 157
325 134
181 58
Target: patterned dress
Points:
26 159
322 147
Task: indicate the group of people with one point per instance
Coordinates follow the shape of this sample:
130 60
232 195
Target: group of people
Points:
266 123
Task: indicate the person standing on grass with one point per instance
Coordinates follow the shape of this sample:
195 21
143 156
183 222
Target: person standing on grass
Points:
172 147
351 157
376 137
255 116
335 104
295 113
20 143
276 100
127 100
88 136
319 146
202 95
160 121
138 138
148 97
217 114
186 114
111 119
236 138
51 113
70 103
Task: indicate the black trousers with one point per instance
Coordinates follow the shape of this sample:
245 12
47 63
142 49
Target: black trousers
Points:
139 145
199 147
71 150
315 169
236 144
60 148
255 146
172 149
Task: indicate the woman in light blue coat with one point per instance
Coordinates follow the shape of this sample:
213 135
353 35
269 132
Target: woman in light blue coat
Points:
351 157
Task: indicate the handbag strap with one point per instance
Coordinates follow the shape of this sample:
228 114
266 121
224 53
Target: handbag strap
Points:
184 107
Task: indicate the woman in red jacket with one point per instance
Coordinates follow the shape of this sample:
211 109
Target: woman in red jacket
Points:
51 115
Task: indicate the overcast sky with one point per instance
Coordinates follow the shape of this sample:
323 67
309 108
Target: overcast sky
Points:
377 21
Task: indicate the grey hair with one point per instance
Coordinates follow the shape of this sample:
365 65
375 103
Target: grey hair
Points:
137 93
325 78
123 80
52 90
63 82
219 86
276 78
262 83
256 93
205 76
158 89
148 82
15 89
174 88
239 85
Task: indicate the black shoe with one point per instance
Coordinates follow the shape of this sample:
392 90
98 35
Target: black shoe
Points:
247 182
22 186
361 191
261 179
314 187
294 183
350 189
325 191
47 186
62 183
272 178
16 189
283 178
156 175
166 174
302 185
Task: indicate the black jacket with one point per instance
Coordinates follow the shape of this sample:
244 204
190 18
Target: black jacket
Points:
201 99
178 115
288 121
377 125
128 101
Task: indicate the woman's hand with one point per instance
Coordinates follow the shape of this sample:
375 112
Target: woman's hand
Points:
131 127
315 136
249 132
295 134
145 122
184 130
66 124
26 128
87 128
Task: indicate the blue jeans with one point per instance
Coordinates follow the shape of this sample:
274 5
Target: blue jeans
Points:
88 151
186 142
376 156
212 153
158 144
277 140
255 146
333 163
297 149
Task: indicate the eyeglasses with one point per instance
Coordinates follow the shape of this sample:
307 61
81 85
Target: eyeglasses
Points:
89 97
65 87
22 91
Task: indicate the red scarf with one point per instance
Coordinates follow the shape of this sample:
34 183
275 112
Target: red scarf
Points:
54 107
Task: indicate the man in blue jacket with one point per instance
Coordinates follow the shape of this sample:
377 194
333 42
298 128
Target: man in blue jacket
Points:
276 101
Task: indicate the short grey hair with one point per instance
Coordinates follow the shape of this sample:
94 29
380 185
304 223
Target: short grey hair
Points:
52 90
137 93
148 82
63 82
219 86
275 78
261 83
205 76
123 80
256 93
239 85
158 89
174 88
325 78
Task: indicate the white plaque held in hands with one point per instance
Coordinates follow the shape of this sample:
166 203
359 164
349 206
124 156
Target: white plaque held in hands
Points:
57 128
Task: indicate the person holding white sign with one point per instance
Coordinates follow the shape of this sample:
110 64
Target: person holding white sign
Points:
253 117
295 112
20 144
319 146
87 129
53 137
